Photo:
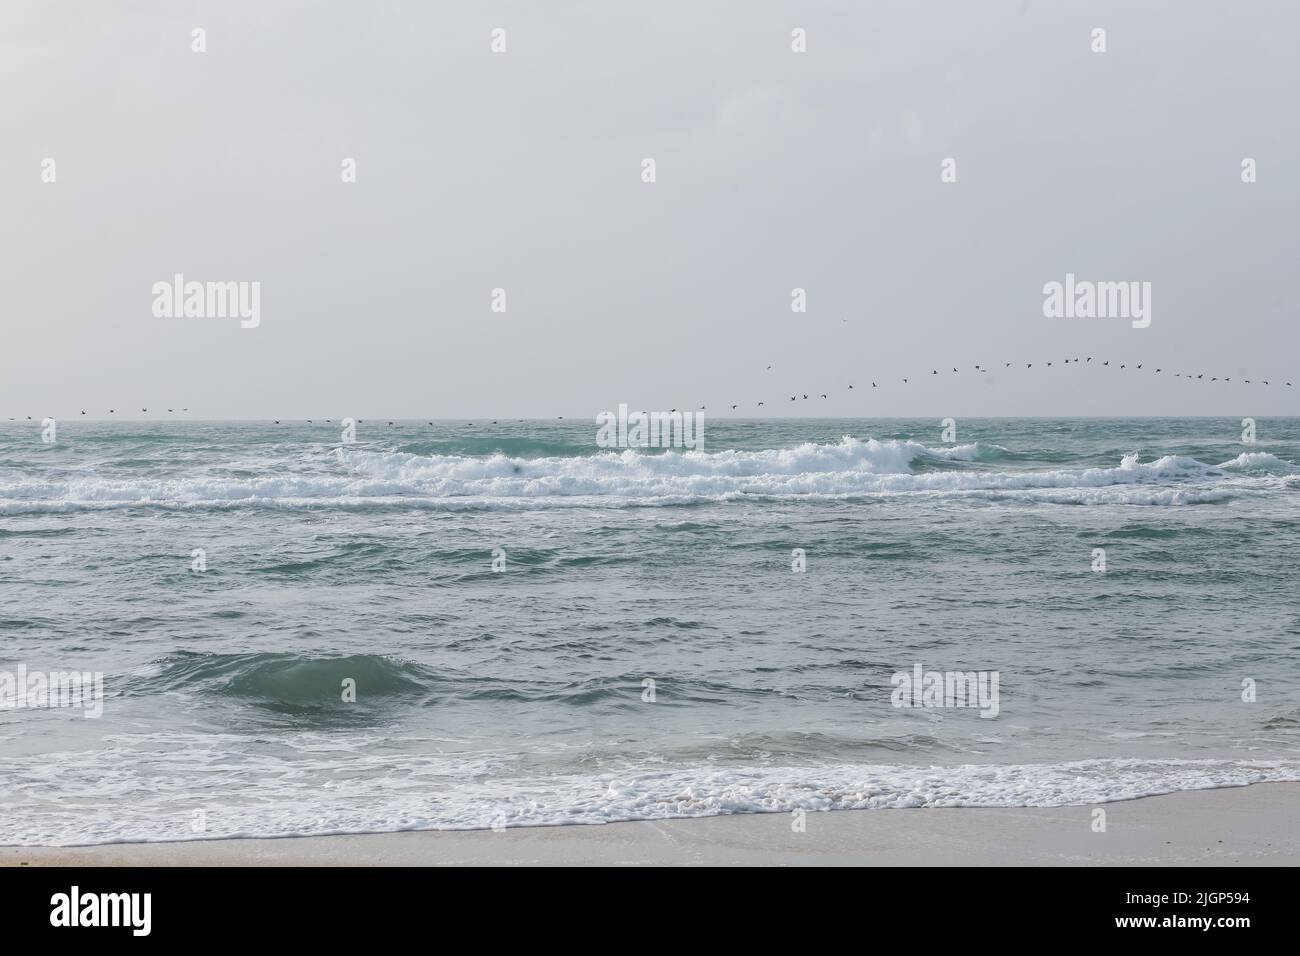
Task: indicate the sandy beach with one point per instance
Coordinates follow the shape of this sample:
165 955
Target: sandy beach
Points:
1246 826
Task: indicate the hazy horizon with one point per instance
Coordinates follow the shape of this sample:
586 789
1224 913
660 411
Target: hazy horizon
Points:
522 171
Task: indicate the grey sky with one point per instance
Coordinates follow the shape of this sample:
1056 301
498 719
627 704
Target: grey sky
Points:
522 170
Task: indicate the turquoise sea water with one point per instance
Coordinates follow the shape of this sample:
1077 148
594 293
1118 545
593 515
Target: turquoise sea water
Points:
520 697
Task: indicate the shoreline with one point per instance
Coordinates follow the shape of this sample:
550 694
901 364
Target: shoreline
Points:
1255 825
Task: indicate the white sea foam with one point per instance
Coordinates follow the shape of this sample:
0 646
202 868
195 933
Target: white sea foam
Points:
466 791
852 467
1259 461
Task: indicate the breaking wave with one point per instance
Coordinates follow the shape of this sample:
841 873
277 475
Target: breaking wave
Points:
849 468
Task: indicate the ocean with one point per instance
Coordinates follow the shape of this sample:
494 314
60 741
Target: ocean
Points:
465 625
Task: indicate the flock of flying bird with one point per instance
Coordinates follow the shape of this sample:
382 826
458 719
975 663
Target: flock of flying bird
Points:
1197 377
1190 376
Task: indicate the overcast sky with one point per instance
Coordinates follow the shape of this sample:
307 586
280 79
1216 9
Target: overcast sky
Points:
523 171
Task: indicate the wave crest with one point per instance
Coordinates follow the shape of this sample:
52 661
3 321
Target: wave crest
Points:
354 477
